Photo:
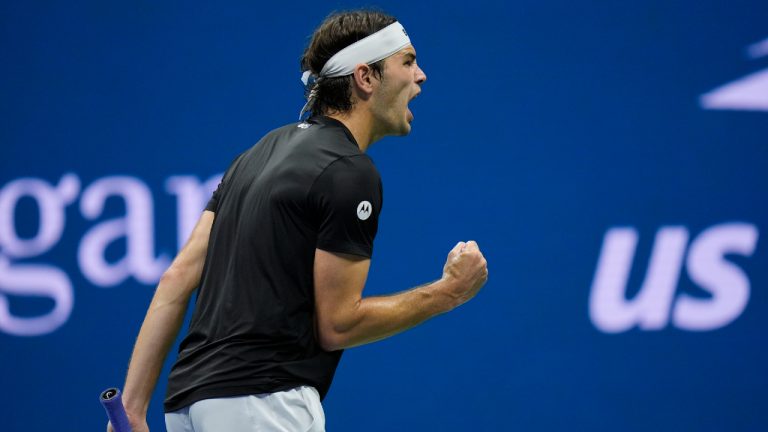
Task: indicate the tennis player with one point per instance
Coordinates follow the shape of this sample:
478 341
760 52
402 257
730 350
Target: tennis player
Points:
282 251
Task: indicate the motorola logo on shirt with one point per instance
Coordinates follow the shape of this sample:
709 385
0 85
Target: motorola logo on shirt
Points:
364 210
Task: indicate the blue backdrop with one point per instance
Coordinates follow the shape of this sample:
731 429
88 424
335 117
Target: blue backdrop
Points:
609 157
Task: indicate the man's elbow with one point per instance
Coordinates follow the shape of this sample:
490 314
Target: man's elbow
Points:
176 285
172 276
331 340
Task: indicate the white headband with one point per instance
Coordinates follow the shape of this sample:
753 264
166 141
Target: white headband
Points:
370 49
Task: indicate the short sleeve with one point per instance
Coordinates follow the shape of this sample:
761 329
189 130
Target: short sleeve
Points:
347 199
213 203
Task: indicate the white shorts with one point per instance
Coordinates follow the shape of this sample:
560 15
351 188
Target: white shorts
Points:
294 410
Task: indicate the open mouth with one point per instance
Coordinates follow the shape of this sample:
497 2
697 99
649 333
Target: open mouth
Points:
410 114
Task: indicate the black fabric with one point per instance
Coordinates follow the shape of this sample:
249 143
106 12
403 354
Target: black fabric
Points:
253 330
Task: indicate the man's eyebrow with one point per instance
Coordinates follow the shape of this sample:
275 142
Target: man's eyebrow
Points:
409 55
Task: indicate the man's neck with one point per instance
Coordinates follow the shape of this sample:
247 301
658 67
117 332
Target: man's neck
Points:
360 124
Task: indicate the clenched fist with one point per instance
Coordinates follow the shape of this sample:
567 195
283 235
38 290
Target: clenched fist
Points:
465 272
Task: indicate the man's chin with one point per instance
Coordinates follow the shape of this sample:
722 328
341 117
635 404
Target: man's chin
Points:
401 128
405 129
407 123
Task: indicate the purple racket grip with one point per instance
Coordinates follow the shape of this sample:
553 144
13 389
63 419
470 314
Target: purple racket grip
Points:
112 401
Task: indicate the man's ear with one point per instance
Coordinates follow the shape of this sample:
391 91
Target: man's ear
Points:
363 80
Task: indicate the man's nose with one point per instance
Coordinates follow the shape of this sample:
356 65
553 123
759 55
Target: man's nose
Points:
420 75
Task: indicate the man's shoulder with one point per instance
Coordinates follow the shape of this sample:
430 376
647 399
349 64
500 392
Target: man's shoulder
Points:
352 169
320 134
281 130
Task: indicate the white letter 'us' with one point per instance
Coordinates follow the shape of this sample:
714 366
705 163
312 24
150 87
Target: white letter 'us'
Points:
727 283
610 310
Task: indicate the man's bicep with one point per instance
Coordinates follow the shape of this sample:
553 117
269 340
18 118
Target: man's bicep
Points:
339 282
191 258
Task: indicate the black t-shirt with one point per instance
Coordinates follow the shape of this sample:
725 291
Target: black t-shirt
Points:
303 186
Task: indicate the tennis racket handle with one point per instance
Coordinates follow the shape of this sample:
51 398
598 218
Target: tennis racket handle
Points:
112 400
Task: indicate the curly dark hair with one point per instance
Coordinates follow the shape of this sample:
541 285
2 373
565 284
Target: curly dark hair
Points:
337 31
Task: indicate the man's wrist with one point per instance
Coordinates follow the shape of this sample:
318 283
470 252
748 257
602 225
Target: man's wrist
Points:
442 289
135 408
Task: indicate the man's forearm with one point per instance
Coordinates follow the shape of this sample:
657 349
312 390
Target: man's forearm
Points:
376 318
158 332
164 318
346 319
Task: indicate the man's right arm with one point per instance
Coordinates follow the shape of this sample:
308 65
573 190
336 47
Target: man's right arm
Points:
346 319
163 321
